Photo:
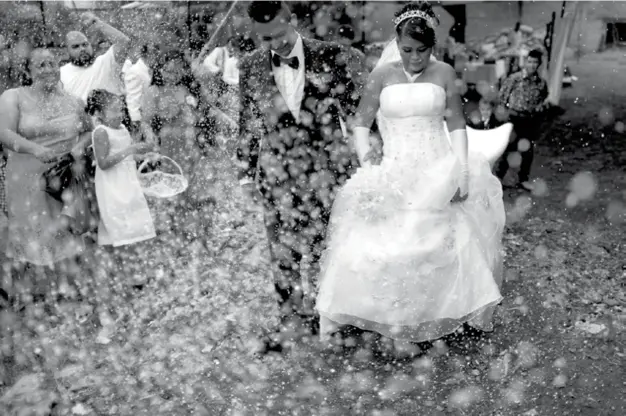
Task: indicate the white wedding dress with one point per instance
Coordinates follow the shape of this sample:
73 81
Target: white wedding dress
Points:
402 260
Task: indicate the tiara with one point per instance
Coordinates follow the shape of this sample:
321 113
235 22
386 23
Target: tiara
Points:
409 14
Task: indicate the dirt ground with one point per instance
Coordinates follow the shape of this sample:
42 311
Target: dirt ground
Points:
558 347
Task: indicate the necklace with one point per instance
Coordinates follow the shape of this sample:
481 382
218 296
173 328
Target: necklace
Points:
410 77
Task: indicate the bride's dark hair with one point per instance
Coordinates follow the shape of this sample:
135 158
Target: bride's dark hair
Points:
418 28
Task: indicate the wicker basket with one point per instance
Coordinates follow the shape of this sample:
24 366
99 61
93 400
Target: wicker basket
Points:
161 184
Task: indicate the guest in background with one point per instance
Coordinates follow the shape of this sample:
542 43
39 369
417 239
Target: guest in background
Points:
224 60
524 95
137 78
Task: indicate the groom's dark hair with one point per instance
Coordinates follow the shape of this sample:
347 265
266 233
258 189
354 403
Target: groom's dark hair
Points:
266 11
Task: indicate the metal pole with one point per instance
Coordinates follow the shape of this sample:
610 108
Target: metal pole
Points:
43 21
189 24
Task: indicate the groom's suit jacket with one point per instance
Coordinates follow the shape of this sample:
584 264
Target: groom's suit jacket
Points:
306 156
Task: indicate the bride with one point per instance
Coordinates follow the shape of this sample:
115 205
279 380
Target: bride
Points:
414 246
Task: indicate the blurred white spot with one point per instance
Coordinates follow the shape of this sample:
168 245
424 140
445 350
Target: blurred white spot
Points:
514 159
514 394
606 116
559 381
583 185
423 363
616 212
541 252
80 409
523 145
527 355
520 208
483 88
464 398
539 188
619 127
589 327
571 200
398 384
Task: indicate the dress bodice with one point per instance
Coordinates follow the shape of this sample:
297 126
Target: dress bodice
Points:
411 122
119 139
56 126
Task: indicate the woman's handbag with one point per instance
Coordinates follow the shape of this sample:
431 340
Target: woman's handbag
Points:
67 169
71 182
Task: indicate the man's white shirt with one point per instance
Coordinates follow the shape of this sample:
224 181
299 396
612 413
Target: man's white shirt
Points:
104 74
290 82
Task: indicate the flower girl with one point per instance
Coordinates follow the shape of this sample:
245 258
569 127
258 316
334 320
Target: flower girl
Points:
124 214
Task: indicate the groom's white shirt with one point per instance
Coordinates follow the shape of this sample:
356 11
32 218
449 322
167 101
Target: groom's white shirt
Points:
290 82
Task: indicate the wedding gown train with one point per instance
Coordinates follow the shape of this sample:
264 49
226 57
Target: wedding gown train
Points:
401 259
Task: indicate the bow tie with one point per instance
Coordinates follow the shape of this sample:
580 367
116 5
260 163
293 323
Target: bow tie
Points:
293 62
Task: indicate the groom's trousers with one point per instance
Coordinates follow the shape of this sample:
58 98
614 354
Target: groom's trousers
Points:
296 225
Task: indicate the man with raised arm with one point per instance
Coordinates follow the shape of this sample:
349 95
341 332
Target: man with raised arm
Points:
85 73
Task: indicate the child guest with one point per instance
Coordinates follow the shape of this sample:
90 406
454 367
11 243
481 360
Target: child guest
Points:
485 118
124 214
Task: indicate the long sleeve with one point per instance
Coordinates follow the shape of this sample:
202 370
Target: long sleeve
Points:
250 127
214 62
134 92
543 95
356 76
505 92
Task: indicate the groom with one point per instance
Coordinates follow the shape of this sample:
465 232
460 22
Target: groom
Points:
296 96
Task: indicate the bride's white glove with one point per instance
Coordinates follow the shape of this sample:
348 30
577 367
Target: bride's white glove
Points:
363 146
458 139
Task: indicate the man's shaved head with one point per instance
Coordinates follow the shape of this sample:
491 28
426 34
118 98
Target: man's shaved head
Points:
79 48
75 36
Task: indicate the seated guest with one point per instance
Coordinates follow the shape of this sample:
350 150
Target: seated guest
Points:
485 118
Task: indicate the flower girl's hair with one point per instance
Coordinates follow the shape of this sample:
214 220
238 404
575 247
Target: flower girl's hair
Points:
98 100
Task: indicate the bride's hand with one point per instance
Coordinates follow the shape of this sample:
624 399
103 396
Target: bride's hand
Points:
458 198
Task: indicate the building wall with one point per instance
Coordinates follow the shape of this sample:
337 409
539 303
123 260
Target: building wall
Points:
590 31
